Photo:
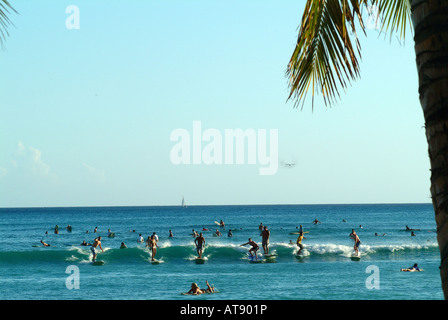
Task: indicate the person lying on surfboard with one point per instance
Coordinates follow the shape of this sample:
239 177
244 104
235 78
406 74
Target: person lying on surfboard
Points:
412 269
44 244
196 290
254 248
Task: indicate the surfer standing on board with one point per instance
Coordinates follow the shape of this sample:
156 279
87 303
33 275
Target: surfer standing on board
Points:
254 248
299 242
355 237
199 241
96 243
152 244
265 234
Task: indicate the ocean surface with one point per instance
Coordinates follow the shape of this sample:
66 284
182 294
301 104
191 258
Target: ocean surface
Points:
325 271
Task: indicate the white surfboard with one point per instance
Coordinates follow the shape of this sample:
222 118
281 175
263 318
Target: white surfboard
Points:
155 261
356 257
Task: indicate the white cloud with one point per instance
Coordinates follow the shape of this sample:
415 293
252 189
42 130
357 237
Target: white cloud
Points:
29 160
94 172
3 172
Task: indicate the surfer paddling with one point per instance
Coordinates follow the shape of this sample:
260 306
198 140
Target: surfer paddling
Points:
196 290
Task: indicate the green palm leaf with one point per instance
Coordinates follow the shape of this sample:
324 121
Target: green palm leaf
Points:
5 22
327 50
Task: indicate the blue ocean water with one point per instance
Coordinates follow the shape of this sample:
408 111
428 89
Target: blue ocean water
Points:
325 271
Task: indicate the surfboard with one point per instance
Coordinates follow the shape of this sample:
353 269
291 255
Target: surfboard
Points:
256 261
355 257
216 222
270 258
98 263
252 259
155 261
298 232
199 260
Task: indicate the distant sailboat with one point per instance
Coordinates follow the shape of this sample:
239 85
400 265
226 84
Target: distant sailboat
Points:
183 203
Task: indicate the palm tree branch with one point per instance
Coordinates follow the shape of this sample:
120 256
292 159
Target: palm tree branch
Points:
327 50
5 22
324 55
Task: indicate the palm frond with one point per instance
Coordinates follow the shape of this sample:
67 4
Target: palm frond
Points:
5 22
327 51
396 15
325 55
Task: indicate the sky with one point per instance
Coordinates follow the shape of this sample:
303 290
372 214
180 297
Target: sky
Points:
88 111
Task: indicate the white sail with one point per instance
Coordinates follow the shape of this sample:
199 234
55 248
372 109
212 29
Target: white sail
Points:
183 203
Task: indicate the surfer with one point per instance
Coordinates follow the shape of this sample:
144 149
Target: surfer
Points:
199 241
230 234
44 244
96 243
123 246
218 233
299 242
254 248
152 244
355 238
171 234
222 224
265 234
316 221
196 290
140 238
412 269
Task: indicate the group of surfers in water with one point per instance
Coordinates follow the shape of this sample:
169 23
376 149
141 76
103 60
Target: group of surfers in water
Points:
199 242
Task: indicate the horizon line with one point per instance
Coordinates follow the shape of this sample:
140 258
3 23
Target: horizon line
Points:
217 205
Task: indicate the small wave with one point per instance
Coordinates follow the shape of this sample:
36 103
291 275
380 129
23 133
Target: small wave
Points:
220 252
